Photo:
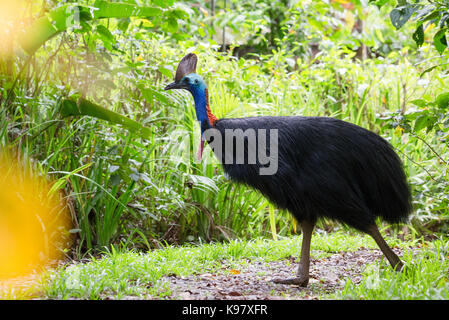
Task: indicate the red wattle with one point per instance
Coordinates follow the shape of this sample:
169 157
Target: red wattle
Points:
200 150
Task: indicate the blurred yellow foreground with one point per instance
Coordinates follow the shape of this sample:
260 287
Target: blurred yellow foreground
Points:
34 222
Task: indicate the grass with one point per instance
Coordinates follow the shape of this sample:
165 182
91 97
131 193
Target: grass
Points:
122 273
425 277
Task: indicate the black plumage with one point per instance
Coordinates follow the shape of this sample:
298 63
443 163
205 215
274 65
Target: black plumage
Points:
325 167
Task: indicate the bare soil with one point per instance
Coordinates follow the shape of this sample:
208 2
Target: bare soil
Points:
253 279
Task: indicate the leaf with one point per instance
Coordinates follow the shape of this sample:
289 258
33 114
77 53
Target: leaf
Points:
428 70
163 3
82 107
149 94
122 70
418 35
134 177
400 15
106 37
234 271
203 183
113 168
420 123
171 25
379 35
379 3
165 71
123 24
201 32
439 41
107 9
105 33
60 183
443 20
423 14
433 15
411 114
442 100
424 121
419 103
146 178
180 14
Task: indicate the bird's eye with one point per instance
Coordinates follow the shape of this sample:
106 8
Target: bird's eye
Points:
196 81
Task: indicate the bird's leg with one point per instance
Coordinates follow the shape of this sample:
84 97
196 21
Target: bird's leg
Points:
302 278
394 260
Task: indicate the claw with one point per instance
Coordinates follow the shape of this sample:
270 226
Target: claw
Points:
299 281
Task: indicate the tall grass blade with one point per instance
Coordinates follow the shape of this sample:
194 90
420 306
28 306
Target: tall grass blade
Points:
83 107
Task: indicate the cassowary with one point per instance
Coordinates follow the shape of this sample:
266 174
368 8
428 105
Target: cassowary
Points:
314 167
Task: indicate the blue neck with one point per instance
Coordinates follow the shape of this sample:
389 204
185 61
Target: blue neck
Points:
197 87
199 95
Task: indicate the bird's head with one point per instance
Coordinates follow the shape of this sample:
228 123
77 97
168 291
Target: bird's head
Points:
191 82
185 77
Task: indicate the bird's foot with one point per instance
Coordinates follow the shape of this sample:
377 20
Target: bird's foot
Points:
404 268
298 281
399 267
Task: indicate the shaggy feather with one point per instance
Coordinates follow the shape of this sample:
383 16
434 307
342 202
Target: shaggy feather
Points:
326 168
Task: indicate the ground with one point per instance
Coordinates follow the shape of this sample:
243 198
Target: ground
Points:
344 265
253 280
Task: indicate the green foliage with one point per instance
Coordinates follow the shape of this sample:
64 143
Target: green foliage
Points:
426 121
424 278
138 183
426 14
77 16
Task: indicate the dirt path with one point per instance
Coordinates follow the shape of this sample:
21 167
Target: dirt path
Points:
253 279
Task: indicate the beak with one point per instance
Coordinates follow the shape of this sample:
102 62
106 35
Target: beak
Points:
176 85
